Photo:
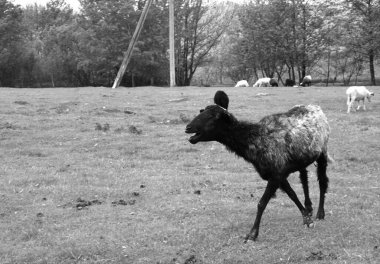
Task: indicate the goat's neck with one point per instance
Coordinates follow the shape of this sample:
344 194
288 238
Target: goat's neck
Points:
239 138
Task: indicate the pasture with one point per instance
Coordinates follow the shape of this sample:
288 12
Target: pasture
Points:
100 175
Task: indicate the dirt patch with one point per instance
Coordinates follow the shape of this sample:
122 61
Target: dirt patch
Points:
21 102
129 112
80 203
192 259
111 110
34 153
134 130
101 127
319 255
178 100
183 119
7 125
65 108
123 202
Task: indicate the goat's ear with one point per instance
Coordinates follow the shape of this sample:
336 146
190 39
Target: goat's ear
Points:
200 111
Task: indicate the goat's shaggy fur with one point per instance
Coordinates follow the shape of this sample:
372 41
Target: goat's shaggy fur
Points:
289 83
221 99
262 82
276 146
306 81
242 83
357 93
273 82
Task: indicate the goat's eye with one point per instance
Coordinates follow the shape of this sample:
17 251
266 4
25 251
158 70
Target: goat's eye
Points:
200 111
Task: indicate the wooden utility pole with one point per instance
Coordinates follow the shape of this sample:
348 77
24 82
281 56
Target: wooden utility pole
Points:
171 43
132 43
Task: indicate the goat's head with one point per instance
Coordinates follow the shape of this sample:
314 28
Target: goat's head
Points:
370 94
209 125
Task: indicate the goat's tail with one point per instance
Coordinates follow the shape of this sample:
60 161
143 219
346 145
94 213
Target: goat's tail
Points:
329 158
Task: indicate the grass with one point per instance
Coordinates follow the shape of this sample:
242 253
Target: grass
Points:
98 175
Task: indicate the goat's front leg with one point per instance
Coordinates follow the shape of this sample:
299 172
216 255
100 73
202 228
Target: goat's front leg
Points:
285 186
357 109
268 194
349 105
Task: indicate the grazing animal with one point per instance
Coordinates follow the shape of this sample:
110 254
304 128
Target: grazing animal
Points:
242 83
221 98
273 83
276 146
289 83
262 82
357 93
306 81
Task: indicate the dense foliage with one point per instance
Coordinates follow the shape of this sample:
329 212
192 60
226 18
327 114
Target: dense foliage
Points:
53 45
331 40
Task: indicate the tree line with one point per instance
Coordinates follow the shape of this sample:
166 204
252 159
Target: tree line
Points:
53 45
335 40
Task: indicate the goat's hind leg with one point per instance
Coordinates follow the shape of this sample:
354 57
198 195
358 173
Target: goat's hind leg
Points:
285 186
305 187
323 181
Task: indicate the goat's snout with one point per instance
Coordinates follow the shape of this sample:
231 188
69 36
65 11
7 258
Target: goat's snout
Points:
188 129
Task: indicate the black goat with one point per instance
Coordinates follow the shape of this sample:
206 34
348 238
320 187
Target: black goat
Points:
277 145
221 98
289 83
273 83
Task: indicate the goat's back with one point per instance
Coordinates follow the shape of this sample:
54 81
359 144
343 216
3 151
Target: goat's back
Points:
262 81
357 91
299 135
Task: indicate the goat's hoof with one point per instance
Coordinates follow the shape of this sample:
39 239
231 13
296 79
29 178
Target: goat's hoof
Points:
308 221
250 237
309 211
320 216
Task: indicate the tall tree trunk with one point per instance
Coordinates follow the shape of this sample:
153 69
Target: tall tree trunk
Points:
328 67
52 80
294 56
371 66
304 55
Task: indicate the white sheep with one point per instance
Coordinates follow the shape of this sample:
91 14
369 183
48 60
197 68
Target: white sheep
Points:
242 83
306 81
262 82
357 93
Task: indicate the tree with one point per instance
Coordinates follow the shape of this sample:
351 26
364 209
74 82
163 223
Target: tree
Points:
108 26
51 44
198 30
290 33
11 42
363 27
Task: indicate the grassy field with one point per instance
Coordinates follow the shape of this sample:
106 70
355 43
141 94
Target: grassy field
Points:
99 175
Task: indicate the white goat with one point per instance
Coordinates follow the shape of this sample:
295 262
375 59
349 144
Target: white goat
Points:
357 93
262 82
306 81
242 83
